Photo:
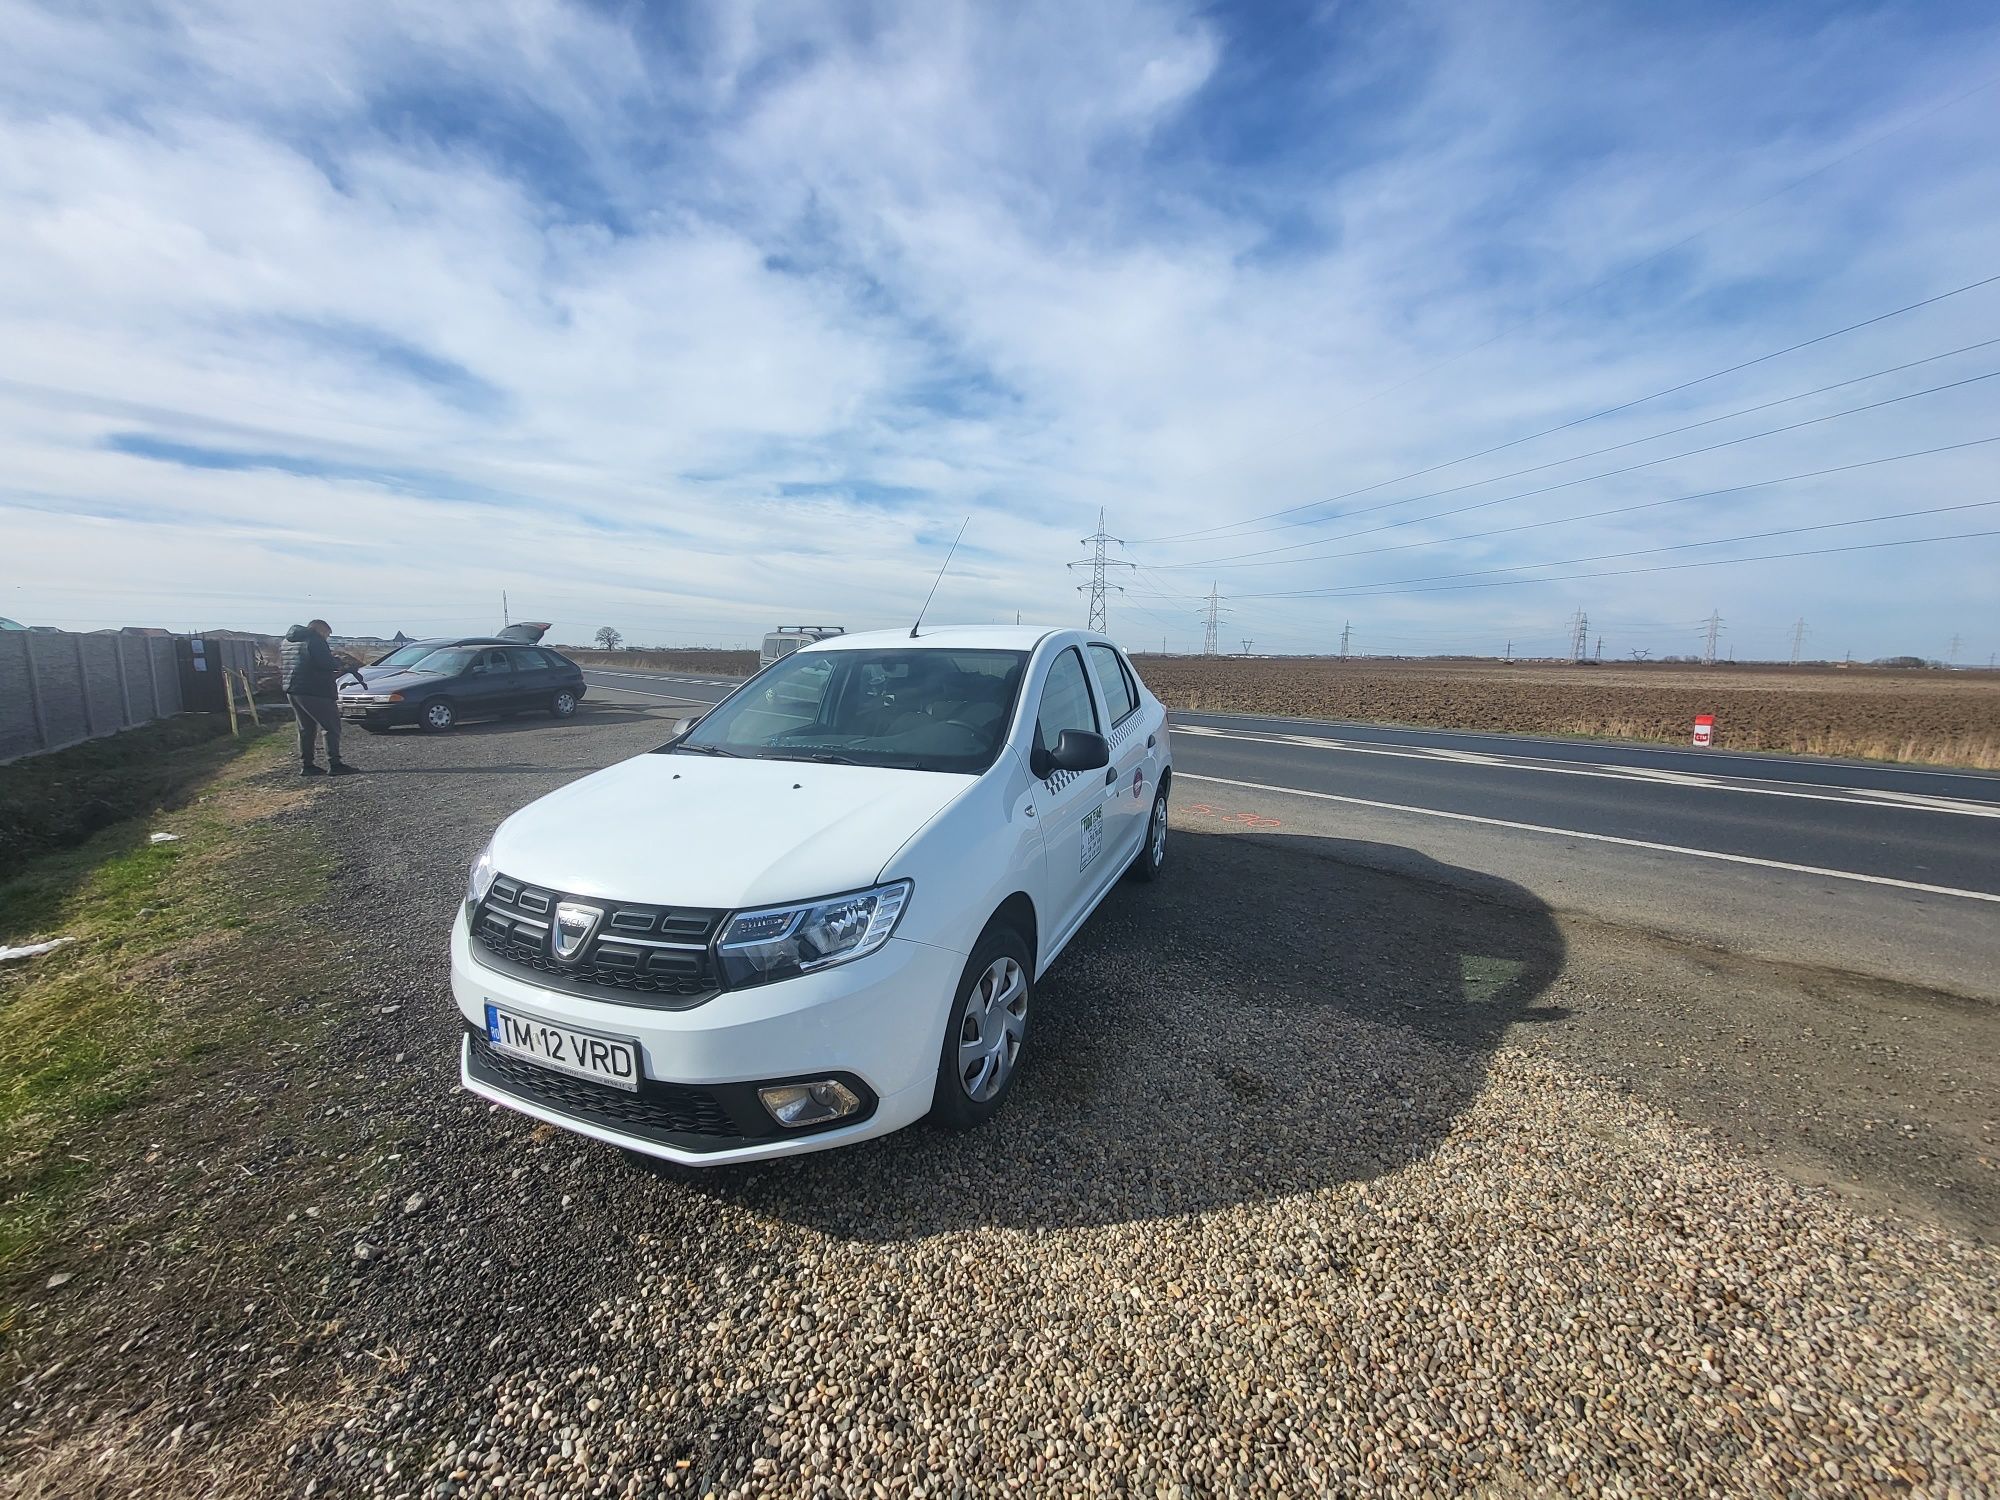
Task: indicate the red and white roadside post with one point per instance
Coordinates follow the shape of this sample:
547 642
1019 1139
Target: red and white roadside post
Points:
1704 730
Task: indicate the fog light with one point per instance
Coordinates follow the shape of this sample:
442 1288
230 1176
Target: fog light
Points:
797 1104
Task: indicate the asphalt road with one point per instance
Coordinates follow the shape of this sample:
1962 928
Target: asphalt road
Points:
1887 871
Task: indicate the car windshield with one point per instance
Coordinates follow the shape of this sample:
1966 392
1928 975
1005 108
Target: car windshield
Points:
406 656
449 662
922 708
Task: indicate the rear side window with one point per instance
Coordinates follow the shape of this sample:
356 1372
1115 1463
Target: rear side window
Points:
493 661
1113 679
1066 701
550 659
525 659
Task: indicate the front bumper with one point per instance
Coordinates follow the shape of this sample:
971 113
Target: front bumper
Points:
378 715
876 1023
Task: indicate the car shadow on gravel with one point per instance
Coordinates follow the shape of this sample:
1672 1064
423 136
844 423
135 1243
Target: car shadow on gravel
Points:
1269 1018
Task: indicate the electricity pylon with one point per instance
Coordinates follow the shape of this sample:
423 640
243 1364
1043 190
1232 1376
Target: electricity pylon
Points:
1098 563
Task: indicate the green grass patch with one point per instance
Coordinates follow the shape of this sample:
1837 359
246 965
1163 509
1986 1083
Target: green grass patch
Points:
56 801
92 1028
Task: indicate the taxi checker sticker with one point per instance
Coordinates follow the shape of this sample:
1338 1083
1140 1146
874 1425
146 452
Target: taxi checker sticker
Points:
1093 837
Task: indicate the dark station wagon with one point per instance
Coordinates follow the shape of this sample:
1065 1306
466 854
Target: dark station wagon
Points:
458 682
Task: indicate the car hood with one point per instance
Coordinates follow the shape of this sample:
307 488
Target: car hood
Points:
694 830
393 679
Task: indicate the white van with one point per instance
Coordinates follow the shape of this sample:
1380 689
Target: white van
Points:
786 639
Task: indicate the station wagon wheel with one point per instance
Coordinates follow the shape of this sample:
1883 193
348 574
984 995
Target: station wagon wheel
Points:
563 704
986 1033
1152 854
437 716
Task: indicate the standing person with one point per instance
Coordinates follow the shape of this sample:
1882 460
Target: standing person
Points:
310 671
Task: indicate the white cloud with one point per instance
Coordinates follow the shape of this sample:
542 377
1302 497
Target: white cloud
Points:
751 309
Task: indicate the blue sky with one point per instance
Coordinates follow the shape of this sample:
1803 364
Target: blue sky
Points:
688 319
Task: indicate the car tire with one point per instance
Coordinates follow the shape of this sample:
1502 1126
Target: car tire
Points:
563 704
989 1012
1152 856
437 716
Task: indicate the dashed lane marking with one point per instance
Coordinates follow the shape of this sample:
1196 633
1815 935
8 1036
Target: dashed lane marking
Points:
1600 838
668 697
1805 791
1735 757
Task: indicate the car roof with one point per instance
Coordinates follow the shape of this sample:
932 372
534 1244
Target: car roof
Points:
956 637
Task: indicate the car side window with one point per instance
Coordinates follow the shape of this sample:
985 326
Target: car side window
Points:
525 659
551 660
490 661
1066 701
1118 694
1131 679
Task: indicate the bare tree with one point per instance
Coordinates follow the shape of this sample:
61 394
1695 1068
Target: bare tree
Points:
608 639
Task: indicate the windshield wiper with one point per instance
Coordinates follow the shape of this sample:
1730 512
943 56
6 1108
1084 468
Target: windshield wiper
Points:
703 750
824 757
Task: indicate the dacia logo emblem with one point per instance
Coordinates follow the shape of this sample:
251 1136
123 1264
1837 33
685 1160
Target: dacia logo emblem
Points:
575 922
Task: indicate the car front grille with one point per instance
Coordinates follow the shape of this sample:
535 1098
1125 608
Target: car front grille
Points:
644 955
658 1111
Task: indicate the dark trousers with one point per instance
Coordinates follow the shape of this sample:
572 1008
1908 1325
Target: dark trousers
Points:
315 714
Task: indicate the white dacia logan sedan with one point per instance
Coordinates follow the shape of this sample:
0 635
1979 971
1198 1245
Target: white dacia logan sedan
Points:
819 912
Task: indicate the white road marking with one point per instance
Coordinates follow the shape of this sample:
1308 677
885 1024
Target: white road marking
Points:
669 697
1599 838
655 677
1850 796
1529 739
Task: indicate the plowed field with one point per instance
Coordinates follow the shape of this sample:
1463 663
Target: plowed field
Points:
1932 717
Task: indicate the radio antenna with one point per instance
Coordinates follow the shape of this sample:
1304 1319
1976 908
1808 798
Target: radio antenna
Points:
940 578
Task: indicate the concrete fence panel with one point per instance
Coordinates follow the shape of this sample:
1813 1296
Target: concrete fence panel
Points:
20 710
52 664
59 687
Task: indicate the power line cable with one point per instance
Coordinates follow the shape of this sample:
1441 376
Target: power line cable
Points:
1616 510
1682 243
1557 463
1750 437
1575 422
1712 562
1347 590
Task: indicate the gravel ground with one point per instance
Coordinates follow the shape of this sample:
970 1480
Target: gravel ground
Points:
1320 1179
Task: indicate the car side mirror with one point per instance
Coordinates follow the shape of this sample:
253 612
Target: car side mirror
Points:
686 726
1081 750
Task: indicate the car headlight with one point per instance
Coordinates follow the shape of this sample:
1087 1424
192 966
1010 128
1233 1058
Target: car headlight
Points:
778 942
481 879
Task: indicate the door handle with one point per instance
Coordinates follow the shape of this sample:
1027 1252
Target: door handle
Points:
1111 777
1152 740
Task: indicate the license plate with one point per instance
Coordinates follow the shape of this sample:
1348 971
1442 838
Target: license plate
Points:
601 1059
